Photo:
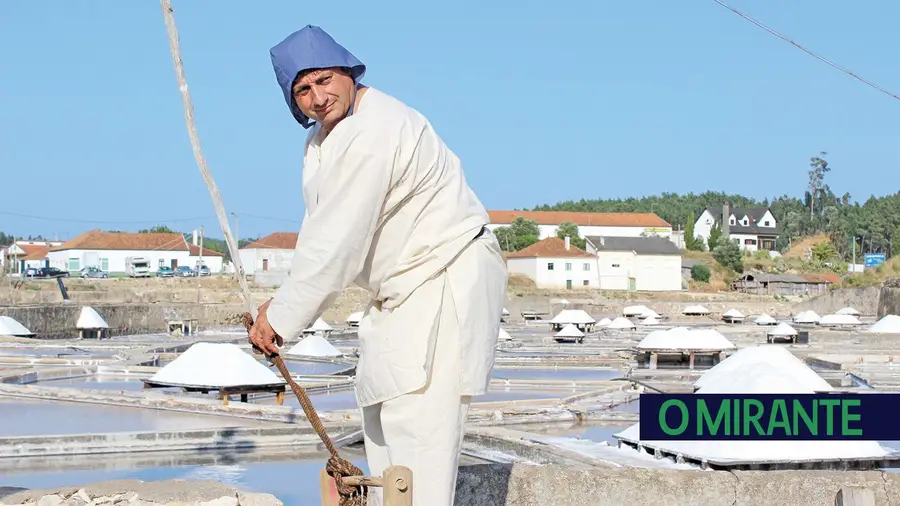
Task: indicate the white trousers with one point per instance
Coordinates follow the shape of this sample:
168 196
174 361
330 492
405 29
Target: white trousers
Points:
423 430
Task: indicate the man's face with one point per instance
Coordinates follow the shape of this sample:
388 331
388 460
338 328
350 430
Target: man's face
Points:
324 95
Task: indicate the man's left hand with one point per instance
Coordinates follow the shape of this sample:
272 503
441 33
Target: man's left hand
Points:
262 335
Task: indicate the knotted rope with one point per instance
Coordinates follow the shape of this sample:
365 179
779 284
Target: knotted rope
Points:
337 467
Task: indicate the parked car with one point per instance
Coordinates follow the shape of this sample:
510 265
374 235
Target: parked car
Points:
184 271
52 272
202 271
93 272
165 272
30 272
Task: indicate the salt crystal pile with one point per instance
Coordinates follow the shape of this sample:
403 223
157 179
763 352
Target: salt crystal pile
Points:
890 324
570 331
621 323
314 346
764 319
684 339
635 310
807 317
574 316
10 327
504 336
215 365
695 310
90 319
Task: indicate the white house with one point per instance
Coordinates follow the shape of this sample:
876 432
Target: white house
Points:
605 224
636 263
273 253
108 251
26 254
754 228
554 263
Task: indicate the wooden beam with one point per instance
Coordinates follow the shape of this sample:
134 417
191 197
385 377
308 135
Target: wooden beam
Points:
398 486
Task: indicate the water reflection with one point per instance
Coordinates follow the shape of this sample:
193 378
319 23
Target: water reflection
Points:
572 374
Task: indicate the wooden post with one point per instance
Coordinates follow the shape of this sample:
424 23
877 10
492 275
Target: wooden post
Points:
279 398
692 361
224 397
654 359
854 496
398 483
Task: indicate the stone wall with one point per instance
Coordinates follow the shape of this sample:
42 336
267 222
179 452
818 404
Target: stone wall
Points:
138 493
889 303
865 300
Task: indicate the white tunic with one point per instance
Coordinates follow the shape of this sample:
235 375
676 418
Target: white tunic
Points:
388 206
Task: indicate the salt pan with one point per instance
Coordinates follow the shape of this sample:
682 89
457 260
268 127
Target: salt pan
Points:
314 346
890 324
10 327
684 339
575 316
217 365
765 319
90 319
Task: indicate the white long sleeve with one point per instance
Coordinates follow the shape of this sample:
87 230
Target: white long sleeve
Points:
335 238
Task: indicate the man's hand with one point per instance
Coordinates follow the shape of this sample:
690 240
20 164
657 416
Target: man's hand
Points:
262 335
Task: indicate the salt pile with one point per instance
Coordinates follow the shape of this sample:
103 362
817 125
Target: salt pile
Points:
604 322
90 319
765 319
319 326
621 323
354 318
504 336
831 320
649 314
575 316
217 365
570 331
732 315
504 313
890 324
695 310
782 330
10 327
650 320
808 317
685 339
762 370
635 310
848 310
314 346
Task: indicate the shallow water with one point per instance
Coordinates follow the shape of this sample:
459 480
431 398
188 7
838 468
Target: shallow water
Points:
22 417
96 383
569 374
293 482
60 352
517 394
306 367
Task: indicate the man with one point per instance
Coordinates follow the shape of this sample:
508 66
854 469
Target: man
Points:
387 206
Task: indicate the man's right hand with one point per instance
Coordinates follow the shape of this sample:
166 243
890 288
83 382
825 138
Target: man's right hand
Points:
262 335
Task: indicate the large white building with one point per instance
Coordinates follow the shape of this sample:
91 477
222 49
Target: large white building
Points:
554 263
273 253
596 224
651 264
109 250
24 254
754 228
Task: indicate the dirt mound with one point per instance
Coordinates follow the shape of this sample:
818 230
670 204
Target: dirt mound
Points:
800 248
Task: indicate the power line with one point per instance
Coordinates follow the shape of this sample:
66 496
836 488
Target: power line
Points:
798 46
68 220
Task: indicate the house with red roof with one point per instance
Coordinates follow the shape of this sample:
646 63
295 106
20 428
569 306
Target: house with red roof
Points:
589 224
272 253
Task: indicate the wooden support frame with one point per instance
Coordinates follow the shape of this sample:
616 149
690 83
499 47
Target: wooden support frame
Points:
396 484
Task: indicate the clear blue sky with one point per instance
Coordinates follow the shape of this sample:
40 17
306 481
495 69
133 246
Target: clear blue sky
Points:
542 102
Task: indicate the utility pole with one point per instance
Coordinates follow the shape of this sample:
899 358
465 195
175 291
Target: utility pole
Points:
201 247
237 240
854 253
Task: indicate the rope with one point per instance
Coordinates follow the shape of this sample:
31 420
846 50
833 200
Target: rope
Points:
336 467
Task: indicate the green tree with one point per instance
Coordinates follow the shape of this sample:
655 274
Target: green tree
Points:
823 252
728 254
567 228
715 233
819 167
700 272
520 234
159 229
691 242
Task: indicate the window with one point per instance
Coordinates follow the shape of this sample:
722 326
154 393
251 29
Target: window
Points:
104 264
586 283
586 266
615 265
745 222
568 284
731 221
74 264
162 263
568 266
550 266
766 223
750 242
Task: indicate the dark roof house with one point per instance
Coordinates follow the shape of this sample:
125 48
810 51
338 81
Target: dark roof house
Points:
639 245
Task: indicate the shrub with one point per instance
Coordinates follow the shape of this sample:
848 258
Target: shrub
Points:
700 272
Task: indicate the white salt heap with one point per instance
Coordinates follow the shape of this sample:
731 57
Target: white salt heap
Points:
604 322
90 319
10 327
782 330
685 339
848 310
504 336
650 320
355 318
635 310
314 346
890 324
505 312
649 314
695 310
768 369
319 326
574 316
216 365
765 319
621 323
733 314
808 316
831 320
570 331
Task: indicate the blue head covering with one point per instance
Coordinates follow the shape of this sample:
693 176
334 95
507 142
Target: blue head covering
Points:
309 48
